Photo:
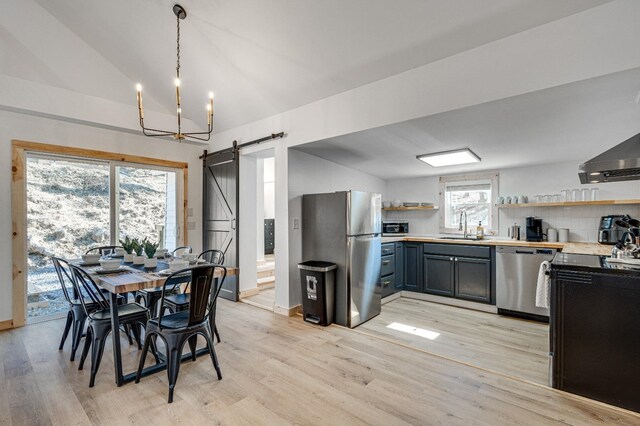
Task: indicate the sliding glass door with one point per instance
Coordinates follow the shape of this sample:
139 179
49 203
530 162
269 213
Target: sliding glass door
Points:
146 204
74 204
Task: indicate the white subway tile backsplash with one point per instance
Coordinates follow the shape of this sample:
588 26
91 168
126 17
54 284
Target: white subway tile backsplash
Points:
582 221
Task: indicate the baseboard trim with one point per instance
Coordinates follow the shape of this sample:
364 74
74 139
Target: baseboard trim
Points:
249 293
450 301
289 312
6 324
392 297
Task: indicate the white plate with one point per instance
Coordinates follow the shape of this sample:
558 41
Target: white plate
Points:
83 263
164 272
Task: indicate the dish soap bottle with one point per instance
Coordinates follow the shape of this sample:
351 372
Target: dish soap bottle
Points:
479 231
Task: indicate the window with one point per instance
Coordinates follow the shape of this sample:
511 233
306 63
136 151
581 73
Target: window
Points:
472 194
76 203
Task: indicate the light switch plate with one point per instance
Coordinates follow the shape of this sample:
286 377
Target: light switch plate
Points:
191 226
296 223
190 212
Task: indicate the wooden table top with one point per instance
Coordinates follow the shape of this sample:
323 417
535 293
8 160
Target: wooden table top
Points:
138 279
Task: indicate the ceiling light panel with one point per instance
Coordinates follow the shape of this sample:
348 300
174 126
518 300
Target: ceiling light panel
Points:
450 158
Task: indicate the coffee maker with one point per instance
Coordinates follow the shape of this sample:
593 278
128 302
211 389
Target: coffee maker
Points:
533 230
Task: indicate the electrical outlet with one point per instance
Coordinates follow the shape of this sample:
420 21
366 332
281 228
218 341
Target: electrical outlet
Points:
191 226
296 223
190 212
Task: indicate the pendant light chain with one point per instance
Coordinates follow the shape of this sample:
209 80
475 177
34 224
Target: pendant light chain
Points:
178 48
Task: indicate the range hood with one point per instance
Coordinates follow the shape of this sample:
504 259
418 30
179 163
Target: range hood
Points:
622 162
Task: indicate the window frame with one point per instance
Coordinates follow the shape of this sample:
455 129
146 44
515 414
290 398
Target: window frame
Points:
19 150
493 178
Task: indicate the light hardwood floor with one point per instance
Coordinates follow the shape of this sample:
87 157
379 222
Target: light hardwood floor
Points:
264 299
278 370
506 345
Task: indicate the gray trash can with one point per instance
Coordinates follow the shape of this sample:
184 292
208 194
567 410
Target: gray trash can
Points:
318 282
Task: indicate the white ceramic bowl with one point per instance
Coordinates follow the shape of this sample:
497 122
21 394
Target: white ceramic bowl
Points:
110 264
178 264
91 258
396 203
386 204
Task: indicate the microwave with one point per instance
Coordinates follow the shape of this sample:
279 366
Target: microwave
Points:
395 227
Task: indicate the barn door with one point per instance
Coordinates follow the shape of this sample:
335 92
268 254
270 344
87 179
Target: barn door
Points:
220 205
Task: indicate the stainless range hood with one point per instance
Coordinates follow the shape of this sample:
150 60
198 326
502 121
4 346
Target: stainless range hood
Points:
622 162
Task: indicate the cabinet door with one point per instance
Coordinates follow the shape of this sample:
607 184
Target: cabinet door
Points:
473 279
438 275
413 266
399 281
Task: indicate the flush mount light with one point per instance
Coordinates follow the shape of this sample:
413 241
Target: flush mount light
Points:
594 174
449 158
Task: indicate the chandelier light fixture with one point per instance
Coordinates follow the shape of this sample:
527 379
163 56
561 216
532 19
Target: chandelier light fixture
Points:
179 135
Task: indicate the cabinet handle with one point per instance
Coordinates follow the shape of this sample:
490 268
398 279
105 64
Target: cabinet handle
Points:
456 259
386 262
385 283
451 259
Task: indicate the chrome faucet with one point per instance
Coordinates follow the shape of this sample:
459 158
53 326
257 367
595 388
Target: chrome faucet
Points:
463 213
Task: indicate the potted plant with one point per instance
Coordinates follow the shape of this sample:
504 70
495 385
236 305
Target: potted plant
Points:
150 250
127 245
138 248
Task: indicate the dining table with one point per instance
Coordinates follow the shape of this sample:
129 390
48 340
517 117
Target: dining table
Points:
130 278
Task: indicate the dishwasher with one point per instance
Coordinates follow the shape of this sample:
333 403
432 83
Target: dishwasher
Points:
516 281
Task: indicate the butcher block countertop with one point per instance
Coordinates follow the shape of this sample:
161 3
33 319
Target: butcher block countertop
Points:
576 247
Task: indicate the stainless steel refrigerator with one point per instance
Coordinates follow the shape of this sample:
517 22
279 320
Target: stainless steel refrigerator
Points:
345 228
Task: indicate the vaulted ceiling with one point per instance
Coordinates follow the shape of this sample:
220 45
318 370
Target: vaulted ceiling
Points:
260 57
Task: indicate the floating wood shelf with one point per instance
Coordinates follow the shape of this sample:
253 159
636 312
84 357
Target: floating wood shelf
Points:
404 209
570 204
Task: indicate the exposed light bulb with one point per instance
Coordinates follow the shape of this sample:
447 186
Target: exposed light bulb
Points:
179 110
208 107
210 95
177 82
139 87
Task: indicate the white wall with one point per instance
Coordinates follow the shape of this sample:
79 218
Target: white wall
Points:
269 188
310 175
44 130
529 181
260 186
246 222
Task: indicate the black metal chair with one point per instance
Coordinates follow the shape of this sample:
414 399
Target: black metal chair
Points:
178 328
76 317
102 249
215 257
130 314
178 302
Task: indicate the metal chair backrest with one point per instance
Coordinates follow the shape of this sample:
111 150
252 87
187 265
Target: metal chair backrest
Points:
102 249
65 276
86 288
201 298
178 251
212 256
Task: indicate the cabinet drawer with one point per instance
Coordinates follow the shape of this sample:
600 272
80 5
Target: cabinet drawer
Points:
459 250
388 284
388 265
388 248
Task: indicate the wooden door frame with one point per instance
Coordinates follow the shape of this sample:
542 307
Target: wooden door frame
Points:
19 150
